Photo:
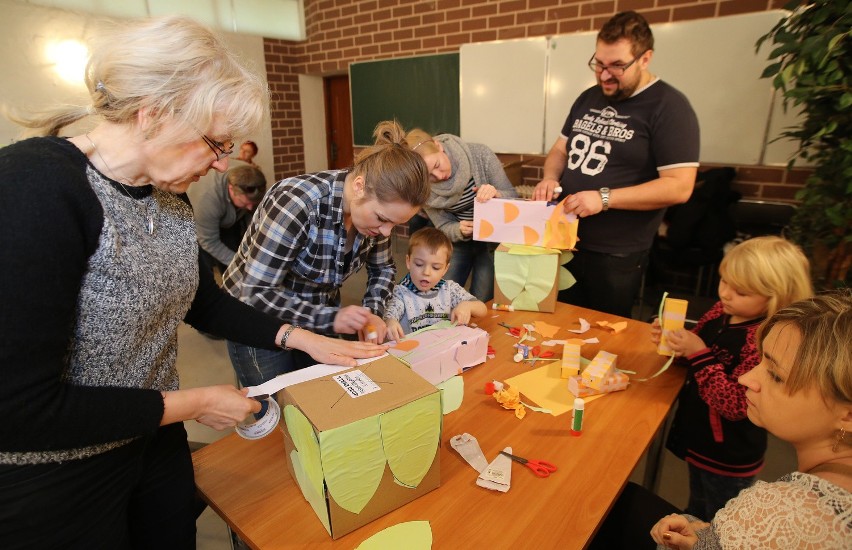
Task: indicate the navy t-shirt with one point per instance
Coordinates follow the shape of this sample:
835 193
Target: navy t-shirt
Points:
623 143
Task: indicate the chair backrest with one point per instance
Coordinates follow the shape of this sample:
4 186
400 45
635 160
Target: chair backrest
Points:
756 218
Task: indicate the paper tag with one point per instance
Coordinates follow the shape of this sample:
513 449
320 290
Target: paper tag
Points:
356 383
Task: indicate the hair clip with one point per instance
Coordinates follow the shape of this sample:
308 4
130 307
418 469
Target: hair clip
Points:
100 87
419 144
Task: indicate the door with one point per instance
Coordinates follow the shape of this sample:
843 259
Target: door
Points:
338 116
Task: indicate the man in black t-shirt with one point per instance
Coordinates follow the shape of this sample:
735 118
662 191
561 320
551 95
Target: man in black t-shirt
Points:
628 149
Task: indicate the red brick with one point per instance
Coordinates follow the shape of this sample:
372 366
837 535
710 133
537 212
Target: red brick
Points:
361 19
597 8
544 29
447 4
423 32
693 12
563 12
575 25
424 7
370 50
384 4
797 176
449 28
530 17
402 11
403 34
500 21
482 11
731 7
388 48
653 16
347 42
458 39
636 5
368 28
411 45
390 24
474 24
349 10
381 37
513 6
433 17
433 42
367 6
511 32
535 4
483 36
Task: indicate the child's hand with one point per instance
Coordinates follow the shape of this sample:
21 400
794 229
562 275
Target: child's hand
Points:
656 331
461 313
684 342
486 192
395 331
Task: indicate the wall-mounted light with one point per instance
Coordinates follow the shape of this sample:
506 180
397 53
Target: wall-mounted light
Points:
68 58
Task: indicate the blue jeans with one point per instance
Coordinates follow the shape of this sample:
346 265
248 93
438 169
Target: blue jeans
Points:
708 492
605 282
257 365
473 259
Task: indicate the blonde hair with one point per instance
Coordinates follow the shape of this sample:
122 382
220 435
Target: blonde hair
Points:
392 171
771 267
421 142
824 357
174 68
432 239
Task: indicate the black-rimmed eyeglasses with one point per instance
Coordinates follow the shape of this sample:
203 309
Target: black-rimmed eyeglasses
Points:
221 150
615 70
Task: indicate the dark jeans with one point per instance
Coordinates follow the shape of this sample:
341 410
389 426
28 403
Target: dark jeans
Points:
257 365
139 496
628 524
474 259
605 282
709 492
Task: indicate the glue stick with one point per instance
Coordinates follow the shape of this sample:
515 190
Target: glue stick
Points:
556 191
371 332
577 417
503 307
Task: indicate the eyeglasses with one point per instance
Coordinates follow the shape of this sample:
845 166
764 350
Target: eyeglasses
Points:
615 70
221 150
251 188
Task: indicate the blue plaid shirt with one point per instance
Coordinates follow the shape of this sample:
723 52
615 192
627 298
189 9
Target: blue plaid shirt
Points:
292 261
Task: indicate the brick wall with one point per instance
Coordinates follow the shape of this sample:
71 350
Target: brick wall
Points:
342 31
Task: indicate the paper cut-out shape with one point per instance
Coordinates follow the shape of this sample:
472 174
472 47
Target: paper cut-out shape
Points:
339 443
584 326
529 278
509 398
616 381
546 329
452 391
468 447
672 318
614 327
571 358
411 535
546 387
440 354
518 221
497 476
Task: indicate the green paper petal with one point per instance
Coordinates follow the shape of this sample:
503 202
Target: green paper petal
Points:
411 535
305 440
566 257
510 272
353 461
410 435
317 501
525 302
566 279
453 392
542 274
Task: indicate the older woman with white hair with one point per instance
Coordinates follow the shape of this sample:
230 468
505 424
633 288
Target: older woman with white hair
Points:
100 265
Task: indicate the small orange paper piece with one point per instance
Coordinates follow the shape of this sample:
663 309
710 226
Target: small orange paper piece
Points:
614 327
485 229
530 236
406 345
510 399
546 329
510 212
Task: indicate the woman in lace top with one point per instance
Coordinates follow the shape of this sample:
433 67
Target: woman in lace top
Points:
802 392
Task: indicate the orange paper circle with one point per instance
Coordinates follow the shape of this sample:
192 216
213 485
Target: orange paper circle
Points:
510 212
485 229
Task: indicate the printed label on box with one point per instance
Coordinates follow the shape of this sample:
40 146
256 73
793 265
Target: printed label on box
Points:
356 383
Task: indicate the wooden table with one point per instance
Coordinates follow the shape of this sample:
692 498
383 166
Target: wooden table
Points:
247 483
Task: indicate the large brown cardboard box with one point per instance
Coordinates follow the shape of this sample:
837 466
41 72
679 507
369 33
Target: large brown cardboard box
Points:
362 442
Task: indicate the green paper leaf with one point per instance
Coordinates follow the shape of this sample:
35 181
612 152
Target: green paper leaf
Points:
302 433
410 435
354 462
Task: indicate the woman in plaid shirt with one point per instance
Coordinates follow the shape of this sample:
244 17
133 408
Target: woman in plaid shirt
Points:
310 233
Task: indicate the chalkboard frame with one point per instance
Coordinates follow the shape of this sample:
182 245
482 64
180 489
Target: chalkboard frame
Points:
418 91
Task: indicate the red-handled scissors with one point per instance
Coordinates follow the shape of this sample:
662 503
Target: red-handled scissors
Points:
541 468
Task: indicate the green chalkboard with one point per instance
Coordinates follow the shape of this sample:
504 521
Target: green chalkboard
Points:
421 91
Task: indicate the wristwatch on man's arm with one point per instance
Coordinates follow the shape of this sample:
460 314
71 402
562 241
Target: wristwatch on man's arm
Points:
604 191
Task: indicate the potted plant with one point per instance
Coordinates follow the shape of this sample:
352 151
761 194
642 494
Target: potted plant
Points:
811 67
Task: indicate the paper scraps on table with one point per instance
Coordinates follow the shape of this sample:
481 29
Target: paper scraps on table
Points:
412 535
584 326
614 327
594 340
468 447
497 476
546 387
546 329
510 399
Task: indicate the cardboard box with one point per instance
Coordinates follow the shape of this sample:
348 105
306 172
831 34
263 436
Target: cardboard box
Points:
439 354
362 442
518 221
529 278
